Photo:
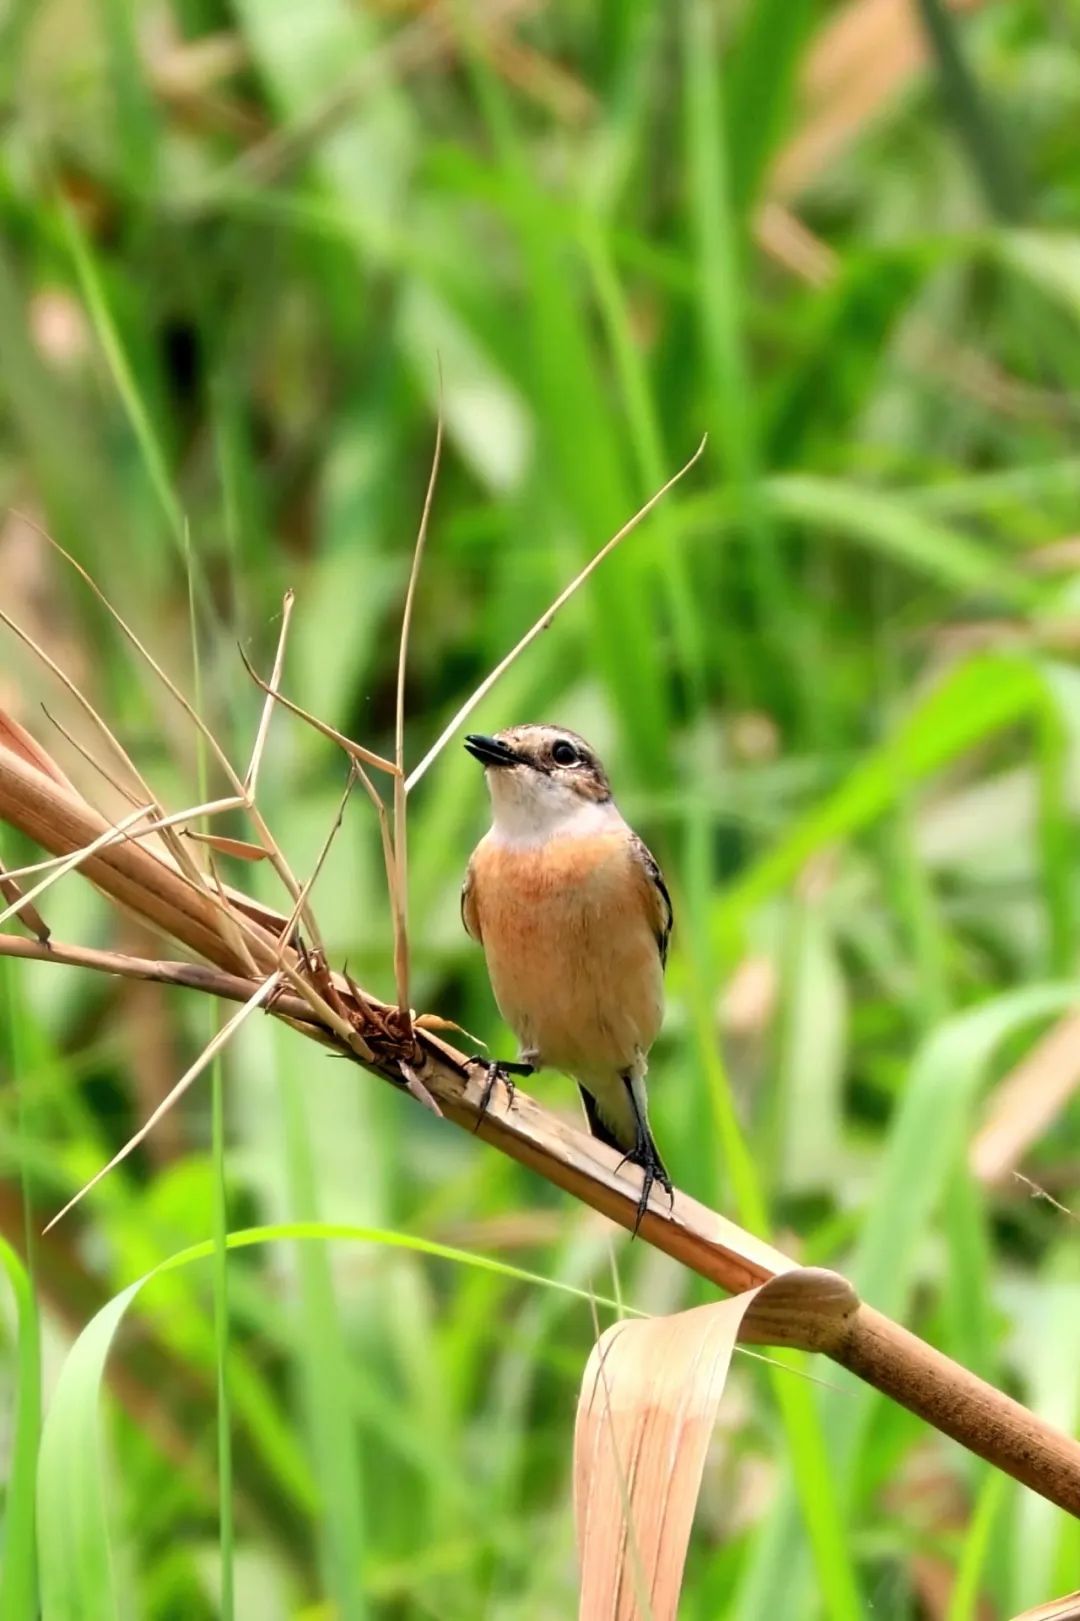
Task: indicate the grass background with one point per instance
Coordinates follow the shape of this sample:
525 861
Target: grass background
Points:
834 680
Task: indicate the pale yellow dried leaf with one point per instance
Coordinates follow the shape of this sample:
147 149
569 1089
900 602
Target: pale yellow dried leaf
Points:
863 58
242 849
28 749
1027 1101
646 1414
435 1021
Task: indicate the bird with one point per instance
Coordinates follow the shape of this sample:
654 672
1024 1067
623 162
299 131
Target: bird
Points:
574 918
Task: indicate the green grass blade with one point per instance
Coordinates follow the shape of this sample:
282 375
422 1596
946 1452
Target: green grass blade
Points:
977 700
74 1546
123 375
226 1532
927 1139
74 1542
719 252
965 1600
989 151
325 1380
886 525
18 1572
761 94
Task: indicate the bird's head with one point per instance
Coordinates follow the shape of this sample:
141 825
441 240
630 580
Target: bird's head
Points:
542 779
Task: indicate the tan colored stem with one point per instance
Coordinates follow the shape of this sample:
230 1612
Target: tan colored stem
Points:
962 1406
812 1309
137 877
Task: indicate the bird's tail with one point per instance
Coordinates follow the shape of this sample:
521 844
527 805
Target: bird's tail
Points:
598 1125
639 1143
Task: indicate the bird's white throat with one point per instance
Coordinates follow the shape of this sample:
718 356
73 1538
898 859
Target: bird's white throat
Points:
528 808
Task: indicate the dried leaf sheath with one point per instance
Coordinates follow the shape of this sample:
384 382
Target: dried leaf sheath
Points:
29 916
56 817
16 740
645 1419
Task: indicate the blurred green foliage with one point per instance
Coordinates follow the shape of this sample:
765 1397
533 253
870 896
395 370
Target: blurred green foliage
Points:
834 680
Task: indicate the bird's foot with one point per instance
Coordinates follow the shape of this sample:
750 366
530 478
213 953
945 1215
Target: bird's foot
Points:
644 1154
494 1070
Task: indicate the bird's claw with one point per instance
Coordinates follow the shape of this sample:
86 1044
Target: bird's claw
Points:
493 1071
644 1155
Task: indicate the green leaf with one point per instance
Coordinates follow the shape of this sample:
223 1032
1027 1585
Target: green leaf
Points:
18 1585
972 703
887 526
77 1578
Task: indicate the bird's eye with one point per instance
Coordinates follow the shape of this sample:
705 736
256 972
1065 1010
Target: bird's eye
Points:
564 753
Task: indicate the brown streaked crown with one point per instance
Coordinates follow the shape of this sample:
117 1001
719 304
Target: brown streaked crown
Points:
561 754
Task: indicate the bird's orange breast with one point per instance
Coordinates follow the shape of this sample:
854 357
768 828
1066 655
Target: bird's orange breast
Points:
568 932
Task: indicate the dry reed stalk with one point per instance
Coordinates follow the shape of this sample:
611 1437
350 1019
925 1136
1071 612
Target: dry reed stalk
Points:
806 1308
249 947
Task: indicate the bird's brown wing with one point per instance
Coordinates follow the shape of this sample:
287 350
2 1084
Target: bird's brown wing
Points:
470 916
657 899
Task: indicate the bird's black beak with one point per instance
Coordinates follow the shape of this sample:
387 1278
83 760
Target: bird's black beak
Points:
489 751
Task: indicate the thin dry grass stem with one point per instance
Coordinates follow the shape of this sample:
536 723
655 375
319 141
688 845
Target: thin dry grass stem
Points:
120 833
412 1081
251 779
16 740
309 882
123 831
293 1009
52 812
194 976
401 853
356 751
144 653
175 844
229 921
276 855
384 831
1038 1192
69 863
416 1088
244 799
90 758
209 1052
142 879
16 874
546 618
230 917
328 1015
29 916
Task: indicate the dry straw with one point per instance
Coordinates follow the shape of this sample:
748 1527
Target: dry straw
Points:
651 1388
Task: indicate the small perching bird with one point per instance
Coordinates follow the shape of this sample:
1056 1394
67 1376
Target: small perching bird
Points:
574 918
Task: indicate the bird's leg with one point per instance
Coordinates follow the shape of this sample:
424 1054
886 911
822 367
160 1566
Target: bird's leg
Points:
646 1155
504 1071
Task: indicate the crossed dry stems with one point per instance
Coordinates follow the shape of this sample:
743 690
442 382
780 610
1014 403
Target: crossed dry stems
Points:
260 958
